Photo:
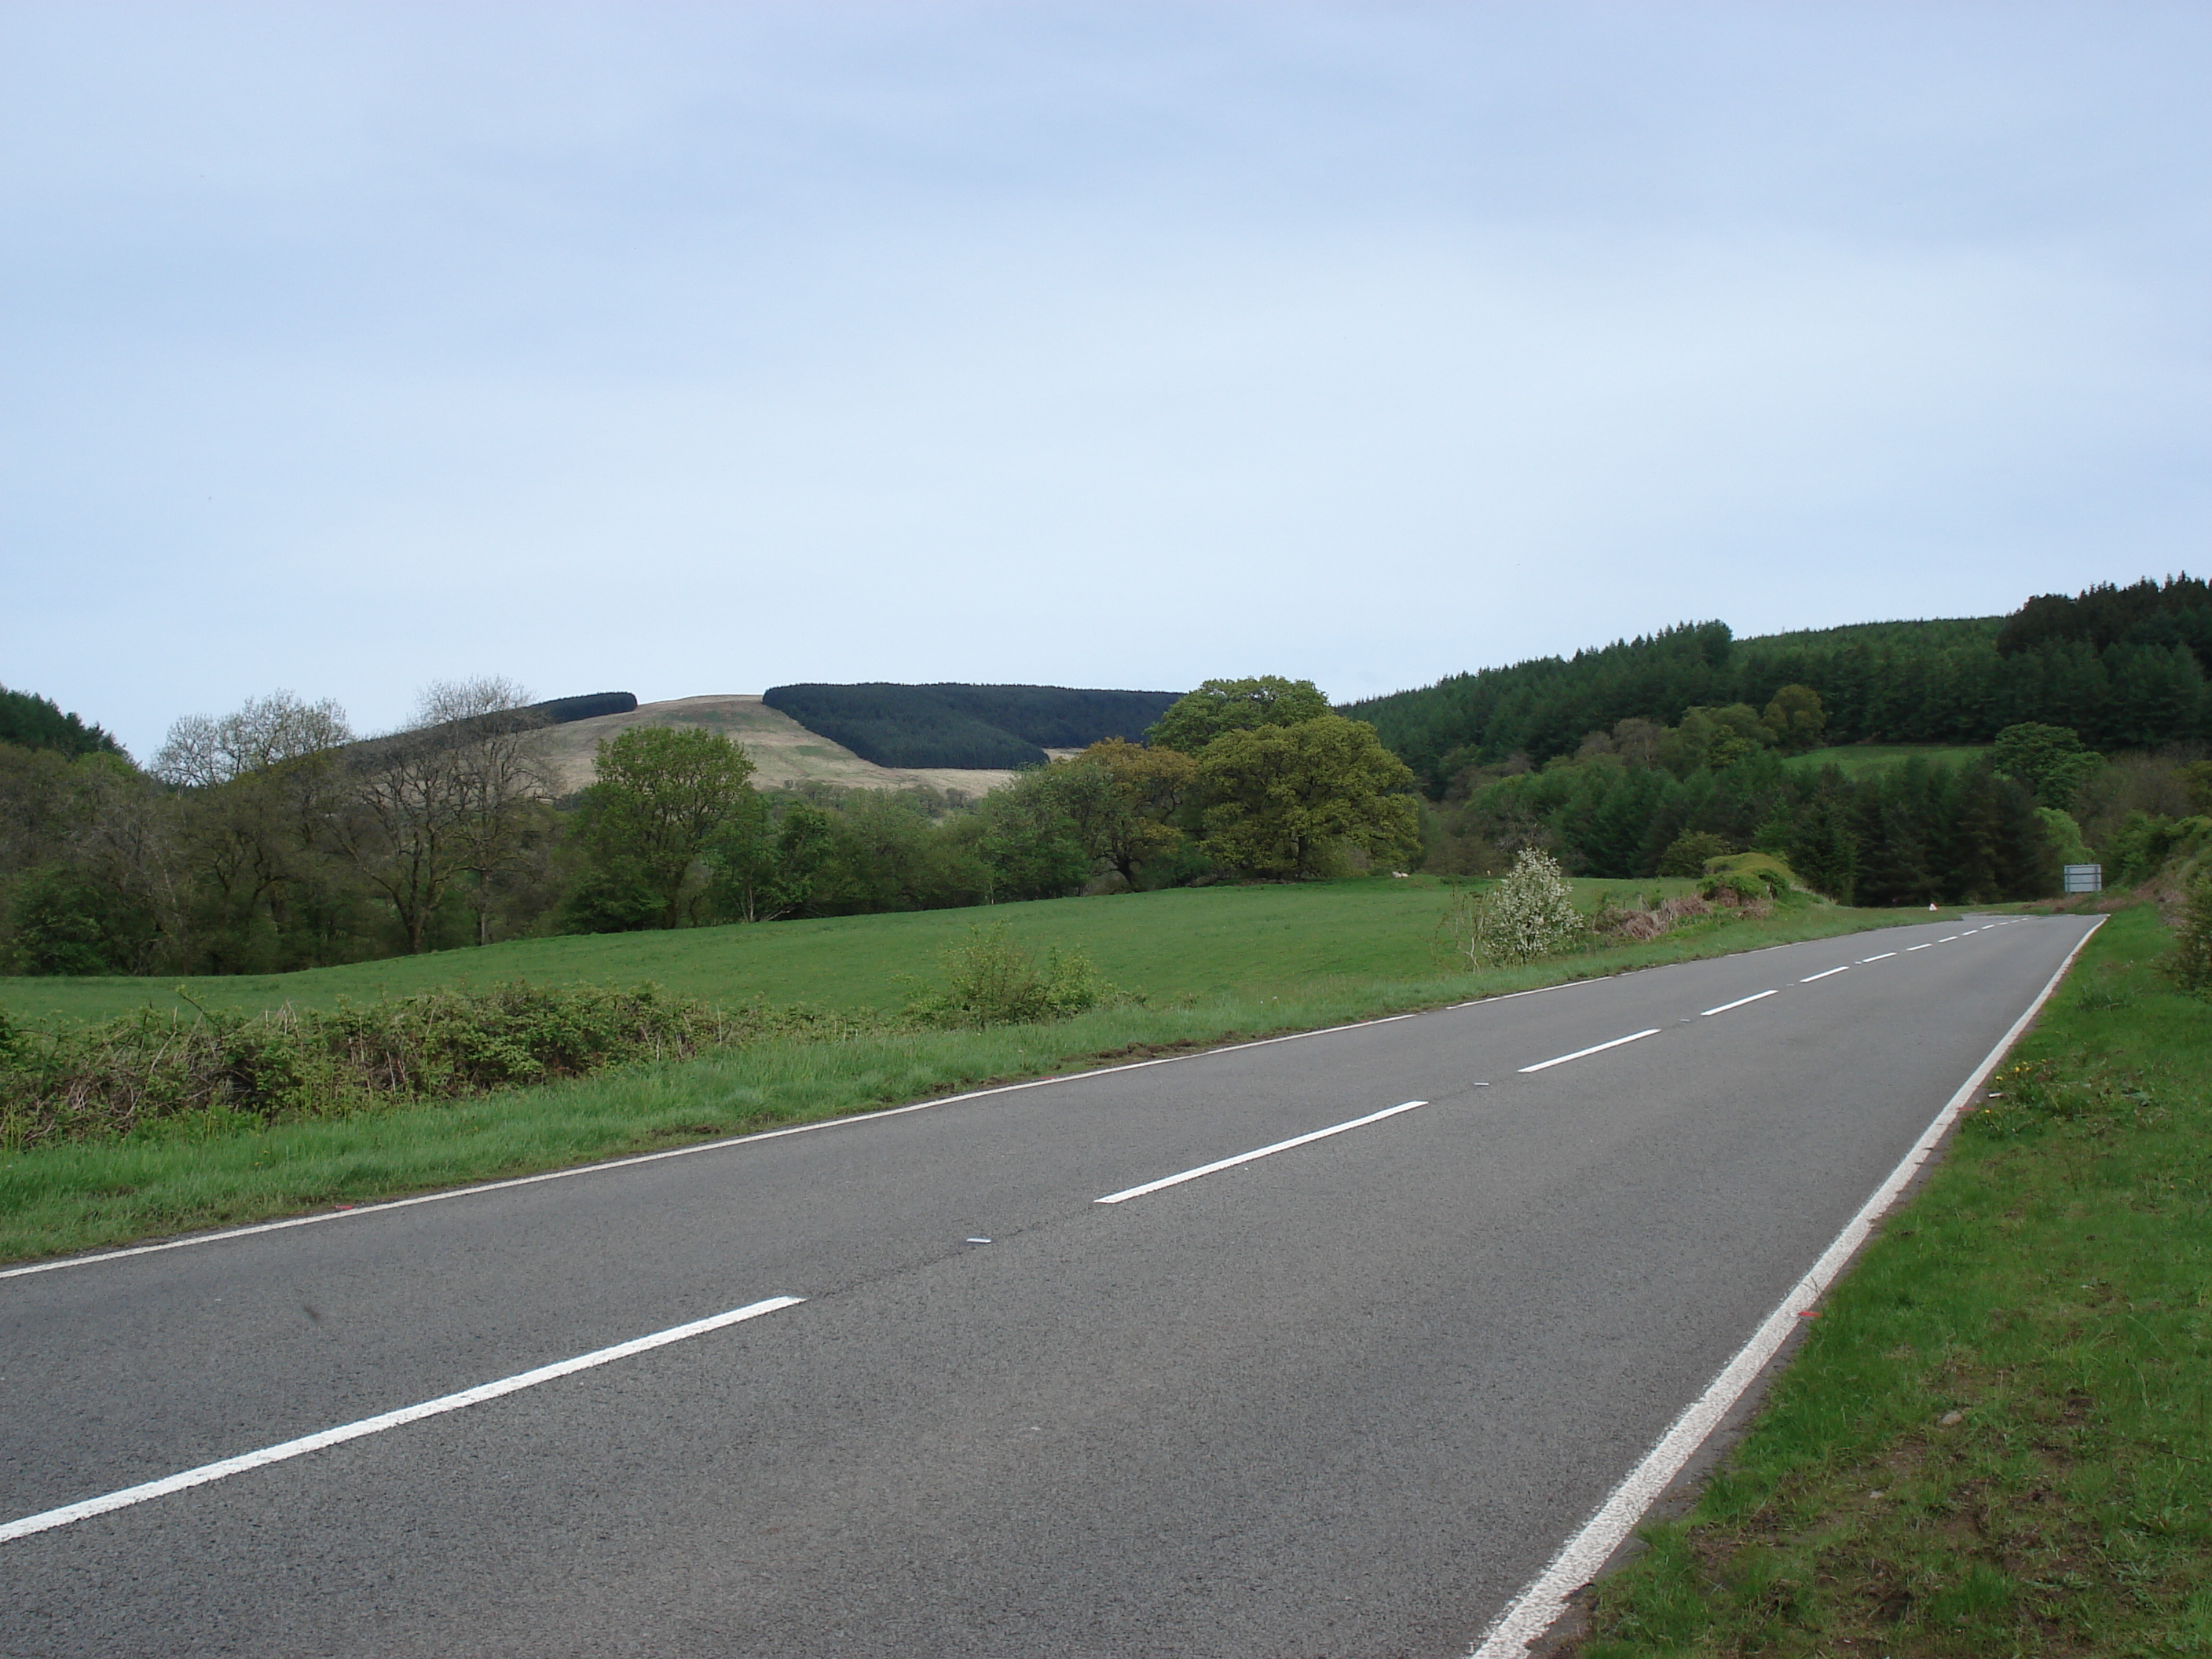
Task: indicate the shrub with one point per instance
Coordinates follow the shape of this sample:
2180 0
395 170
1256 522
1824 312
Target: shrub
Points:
988 980
1768 868
2144 840
2189 966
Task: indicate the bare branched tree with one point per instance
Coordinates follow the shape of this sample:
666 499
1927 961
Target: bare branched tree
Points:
202 751
252 824
504 776
456 792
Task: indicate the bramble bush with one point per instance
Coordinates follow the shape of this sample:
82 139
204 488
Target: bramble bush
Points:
64 1083
1640 921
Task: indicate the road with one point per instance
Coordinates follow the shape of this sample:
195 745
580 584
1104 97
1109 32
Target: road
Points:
1344 1399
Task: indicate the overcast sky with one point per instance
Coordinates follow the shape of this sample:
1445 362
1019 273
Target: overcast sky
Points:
684 349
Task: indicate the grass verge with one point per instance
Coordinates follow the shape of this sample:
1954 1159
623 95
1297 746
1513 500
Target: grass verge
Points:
190 1173
1995 1440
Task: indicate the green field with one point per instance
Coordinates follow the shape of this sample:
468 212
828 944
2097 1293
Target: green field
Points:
1997 1439
1213 965
1857 759
1186 942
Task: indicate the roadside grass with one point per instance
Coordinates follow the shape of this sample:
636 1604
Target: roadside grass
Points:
1187 941
1997 1438
191 1173
1857 759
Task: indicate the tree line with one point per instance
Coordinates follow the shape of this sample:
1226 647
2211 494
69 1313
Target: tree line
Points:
275 837
1241 779
1645 799
1643 803
2124 668
29 721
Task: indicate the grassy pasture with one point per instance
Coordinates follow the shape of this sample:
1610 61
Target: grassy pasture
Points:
1192 941
1858 759
1997 1438
1214 965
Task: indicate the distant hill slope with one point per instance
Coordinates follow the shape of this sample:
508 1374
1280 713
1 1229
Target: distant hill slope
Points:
784 752
966 726
2126 668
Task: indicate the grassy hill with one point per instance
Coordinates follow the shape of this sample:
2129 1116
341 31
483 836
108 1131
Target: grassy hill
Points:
785 752
1179 942
964 738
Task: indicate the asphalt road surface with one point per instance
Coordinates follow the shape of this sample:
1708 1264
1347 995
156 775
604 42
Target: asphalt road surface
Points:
1341 1400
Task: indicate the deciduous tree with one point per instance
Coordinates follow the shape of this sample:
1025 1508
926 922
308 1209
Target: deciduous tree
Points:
2049 759
1125 799
664 794
1285 800
501 774
1029 841
1794 715
203 751
447 796
1222 706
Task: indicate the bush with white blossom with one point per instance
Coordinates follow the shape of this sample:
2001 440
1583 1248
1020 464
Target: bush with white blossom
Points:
1529 913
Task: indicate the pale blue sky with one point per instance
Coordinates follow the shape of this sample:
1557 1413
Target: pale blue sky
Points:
681 349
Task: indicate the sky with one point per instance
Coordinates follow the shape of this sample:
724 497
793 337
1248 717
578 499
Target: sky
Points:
680 349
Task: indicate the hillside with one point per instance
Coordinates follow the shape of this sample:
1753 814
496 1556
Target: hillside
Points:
785 752
2124 667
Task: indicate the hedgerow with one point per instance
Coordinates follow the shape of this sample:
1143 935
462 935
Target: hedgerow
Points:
148 1069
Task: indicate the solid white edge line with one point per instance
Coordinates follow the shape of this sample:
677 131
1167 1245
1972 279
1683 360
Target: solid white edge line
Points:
1810 978
354 1211
47 1520
1595 1049
1540 1605
1261 1151
1738 1003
